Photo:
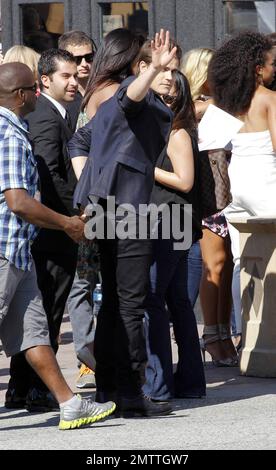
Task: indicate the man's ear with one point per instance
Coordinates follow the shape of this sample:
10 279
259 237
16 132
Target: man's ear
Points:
21 93
45 80
142 66
21 97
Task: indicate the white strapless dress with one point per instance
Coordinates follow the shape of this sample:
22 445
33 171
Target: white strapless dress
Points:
252 173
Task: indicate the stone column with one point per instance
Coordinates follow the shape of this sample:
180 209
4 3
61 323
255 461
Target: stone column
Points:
258 295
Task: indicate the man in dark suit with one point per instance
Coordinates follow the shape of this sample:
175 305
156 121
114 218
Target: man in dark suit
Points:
54 253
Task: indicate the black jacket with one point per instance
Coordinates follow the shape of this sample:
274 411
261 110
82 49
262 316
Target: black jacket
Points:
49 134
123 142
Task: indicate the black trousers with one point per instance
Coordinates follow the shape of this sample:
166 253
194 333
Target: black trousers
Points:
55 275
120 349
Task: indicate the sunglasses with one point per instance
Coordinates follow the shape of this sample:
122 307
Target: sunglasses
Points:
169 99
31 88
87 57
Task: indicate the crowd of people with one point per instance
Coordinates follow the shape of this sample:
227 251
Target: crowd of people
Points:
81 126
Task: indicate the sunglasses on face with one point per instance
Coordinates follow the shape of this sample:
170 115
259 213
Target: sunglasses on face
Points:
31 88
87 57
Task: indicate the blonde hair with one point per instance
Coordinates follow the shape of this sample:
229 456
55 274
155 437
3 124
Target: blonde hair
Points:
195 67
25 55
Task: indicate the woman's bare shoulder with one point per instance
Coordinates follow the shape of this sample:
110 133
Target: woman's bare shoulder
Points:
264 93
179 134
179 138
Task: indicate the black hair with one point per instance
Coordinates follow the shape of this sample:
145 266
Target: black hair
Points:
48 62
272 38
182 105
232 71
75 38
113 60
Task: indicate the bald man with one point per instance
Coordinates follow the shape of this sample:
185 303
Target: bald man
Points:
23 322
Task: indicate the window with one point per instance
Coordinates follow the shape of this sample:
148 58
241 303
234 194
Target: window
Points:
256 16
131 15
43 23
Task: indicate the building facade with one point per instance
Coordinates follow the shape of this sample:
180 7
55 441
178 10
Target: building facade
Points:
194 23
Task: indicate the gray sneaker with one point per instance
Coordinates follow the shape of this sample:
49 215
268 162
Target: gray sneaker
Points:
90 412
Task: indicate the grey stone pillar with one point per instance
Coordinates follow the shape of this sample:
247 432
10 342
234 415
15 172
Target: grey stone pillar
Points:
258 295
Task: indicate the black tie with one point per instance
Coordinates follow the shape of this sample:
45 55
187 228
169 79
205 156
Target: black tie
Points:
68 120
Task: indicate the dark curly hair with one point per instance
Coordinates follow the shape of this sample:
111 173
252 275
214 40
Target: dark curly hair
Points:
232 71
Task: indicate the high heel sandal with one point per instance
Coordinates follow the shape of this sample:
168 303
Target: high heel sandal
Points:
226 362
228 345
238 342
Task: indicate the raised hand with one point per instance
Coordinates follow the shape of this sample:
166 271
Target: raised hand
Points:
160 47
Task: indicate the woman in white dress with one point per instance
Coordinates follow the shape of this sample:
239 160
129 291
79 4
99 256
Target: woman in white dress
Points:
238 73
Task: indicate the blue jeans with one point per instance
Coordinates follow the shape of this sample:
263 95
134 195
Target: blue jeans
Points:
168 284
194 272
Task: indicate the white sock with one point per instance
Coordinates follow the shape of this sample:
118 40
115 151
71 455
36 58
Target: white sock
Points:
74 402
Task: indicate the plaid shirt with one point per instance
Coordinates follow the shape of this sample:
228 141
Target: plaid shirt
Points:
17 171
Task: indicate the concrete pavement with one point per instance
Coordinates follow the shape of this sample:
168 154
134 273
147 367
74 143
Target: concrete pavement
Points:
238 413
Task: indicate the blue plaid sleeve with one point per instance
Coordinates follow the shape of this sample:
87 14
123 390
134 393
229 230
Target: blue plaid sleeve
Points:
13 159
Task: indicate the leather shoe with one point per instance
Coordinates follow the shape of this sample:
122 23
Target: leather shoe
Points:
143 406
14 401
41 401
